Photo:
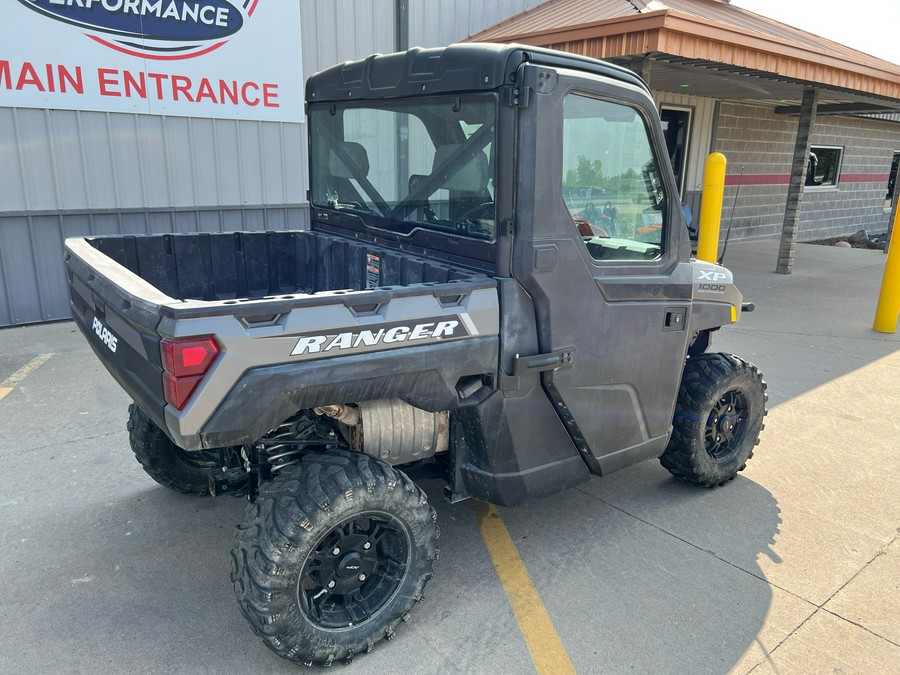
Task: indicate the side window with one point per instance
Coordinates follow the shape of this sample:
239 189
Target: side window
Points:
611 181
892 180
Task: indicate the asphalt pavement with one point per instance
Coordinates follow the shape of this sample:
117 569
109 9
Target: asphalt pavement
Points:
794 567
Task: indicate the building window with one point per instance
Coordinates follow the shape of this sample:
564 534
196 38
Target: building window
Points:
824 166
892 181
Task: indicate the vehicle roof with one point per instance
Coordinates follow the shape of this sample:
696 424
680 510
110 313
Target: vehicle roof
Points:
457 68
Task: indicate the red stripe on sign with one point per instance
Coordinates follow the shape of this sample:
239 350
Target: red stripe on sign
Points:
758 179
155 57
863 178
252 8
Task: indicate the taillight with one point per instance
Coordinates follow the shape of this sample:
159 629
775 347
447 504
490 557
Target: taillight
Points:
185 362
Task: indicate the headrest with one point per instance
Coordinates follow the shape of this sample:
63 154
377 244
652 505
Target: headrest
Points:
358 156
470 177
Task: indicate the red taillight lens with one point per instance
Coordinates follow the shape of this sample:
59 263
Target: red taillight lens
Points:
185 362
192 356
179 389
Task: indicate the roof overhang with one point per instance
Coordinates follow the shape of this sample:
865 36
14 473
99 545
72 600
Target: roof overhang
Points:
692 55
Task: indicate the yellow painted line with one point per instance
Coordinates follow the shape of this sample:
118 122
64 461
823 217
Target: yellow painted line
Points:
10 382
547 651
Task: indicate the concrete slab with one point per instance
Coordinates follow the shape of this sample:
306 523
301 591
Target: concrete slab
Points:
46 402
829 644
625 595
811 326
872 598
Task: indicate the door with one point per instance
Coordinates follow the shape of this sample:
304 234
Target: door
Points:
676 126
602 253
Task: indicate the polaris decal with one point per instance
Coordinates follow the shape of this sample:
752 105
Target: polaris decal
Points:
385 336
105 335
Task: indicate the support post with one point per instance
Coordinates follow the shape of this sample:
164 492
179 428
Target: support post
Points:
401 25
889 298
640 66
401 44
791 224
711 207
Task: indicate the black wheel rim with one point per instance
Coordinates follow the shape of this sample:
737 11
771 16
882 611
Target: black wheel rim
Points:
354 571
726 424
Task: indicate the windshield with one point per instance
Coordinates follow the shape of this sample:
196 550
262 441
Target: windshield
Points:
405 165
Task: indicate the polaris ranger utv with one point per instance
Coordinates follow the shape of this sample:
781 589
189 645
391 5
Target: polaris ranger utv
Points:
496 288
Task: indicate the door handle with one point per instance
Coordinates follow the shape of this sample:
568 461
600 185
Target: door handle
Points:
560 358
675 319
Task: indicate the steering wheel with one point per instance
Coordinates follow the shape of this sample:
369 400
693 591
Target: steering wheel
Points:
484 210
475 212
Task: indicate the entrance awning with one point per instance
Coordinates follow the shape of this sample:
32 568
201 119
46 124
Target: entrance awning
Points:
710 48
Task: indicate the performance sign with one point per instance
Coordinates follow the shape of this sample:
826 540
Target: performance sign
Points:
237 59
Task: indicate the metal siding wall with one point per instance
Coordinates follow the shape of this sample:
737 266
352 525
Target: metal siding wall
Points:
335 31
12 189
440 23
32 275
63 160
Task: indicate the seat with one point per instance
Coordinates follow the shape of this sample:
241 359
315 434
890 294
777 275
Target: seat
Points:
467 184
358 157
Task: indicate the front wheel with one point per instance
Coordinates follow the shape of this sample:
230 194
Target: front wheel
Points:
332 556
718 417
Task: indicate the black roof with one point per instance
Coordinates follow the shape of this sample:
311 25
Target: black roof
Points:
460 67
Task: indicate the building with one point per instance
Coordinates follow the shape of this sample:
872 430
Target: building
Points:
208 133
773 99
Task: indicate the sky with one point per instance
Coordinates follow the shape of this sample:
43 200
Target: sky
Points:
871 26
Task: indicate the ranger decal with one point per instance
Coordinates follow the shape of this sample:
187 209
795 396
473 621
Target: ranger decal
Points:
383 336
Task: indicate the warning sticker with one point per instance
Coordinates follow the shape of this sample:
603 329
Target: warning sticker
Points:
373 270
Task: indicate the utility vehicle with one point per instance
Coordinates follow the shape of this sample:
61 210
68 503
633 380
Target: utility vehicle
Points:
496 288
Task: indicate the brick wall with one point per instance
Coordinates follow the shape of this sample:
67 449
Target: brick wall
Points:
762 143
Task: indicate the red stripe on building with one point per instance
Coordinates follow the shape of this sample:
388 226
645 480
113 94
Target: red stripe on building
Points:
758 179
863 178
785 179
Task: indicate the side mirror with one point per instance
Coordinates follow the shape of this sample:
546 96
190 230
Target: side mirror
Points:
653 183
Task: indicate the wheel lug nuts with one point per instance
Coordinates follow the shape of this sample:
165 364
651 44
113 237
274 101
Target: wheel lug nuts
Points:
367 545
362 577
331 584
336 551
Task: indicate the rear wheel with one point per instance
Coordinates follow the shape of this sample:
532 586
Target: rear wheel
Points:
332 556
718 418
166 463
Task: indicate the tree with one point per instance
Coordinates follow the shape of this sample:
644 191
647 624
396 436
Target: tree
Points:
586 174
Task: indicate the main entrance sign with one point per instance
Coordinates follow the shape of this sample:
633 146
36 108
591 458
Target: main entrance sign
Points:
205 58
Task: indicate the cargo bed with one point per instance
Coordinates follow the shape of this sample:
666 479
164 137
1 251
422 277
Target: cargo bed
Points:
295 301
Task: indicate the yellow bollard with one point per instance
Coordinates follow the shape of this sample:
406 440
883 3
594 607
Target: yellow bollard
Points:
889 299
711 207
